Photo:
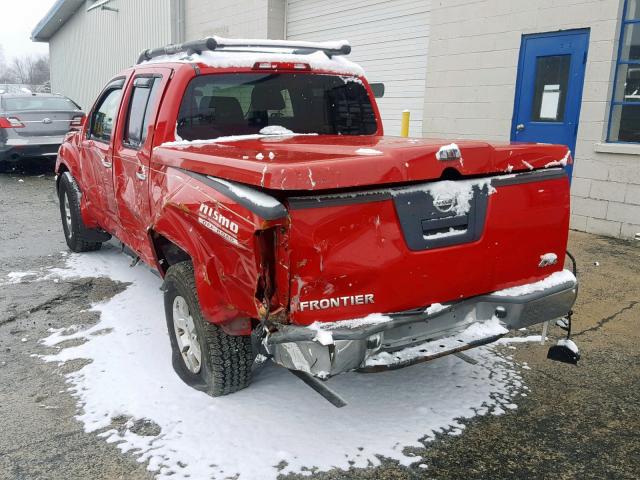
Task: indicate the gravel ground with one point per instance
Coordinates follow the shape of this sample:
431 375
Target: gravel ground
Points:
576 422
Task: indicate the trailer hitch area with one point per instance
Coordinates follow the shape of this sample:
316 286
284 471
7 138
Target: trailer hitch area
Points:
565 351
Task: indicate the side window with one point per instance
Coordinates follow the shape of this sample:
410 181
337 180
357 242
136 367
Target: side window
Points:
143 99
624 119
103 118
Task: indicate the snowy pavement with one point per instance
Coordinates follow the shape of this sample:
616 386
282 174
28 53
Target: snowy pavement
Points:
574 422
290 427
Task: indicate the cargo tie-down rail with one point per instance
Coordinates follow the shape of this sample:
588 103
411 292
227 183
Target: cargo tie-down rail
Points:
217 43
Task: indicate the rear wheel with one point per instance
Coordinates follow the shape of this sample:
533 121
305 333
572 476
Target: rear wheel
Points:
204 356
72 224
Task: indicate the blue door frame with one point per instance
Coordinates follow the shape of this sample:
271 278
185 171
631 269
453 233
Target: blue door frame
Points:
549 88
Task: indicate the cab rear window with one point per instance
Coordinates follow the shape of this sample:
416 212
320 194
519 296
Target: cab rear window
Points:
220 105
28 103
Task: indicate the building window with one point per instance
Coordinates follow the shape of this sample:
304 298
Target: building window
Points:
624 123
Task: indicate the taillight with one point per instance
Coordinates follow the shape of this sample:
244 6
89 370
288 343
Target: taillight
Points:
76 121
10 122
281 66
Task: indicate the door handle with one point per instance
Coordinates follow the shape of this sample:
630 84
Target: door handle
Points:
105 163
140 173
520 127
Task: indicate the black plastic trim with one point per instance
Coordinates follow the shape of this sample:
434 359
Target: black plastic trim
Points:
528 177
364 196
268 213
421 221
320 201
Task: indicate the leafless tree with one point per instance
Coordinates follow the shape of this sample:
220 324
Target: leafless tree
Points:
26 70
3 66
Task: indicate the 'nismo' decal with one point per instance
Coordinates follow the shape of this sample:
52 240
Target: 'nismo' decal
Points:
218 224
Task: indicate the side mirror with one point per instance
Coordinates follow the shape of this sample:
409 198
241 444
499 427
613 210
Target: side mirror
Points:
377 89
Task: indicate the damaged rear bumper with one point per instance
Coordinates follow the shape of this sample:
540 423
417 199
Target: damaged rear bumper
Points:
415 336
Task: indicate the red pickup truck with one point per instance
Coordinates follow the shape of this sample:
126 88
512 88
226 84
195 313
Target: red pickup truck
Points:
255 177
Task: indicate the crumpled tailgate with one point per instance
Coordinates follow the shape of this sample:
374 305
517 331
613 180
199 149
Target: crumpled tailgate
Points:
409 247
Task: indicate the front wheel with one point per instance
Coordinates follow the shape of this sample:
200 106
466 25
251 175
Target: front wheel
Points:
204 356
75 232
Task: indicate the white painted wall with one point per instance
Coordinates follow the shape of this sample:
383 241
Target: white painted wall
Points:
239 18
470 90
92 47
389 39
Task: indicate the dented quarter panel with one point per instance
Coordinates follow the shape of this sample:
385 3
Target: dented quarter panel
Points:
227 260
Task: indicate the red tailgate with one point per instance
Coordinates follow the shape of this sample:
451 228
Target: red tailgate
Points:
393 250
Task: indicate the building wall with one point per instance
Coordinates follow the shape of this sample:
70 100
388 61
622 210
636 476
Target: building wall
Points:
234 18
92 47
389 40
471 79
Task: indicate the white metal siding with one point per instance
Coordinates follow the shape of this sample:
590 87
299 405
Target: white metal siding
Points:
92 47
235 18
389 39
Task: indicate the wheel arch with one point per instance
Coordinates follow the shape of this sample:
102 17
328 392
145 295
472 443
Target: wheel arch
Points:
175 237
68 161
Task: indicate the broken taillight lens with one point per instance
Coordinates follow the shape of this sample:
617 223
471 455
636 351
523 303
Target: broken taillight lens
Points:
76 122
10 122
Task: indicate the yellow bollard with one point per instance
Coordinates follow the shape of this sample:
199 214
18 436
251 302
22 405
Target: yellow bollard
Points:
404 127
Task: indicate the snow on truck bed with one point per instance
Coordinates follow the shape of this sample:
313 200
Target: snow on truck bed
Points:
130 375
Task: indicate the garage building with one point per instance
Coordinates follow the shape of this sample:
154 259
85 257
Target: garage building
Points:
562 71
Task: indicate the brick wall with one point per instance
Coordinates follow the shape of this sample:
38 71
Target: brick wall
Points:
471 77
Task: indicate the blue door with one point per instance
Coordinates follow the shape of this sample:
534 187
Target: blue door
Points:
549 88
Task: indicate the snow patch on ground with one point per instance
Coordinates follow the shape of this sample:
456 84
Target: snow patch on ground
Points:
202 437
17 277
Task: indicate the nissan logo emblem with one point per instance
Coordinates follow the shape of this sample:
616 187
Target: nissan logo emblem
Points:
444 203
46 120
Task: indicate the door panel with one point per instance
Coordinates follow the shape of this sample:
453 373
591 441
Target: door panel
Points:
549 88
97 152
132 152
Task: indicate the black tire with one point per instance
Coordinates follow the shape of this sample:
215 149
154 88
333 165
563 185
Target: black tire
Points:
72 225
226 360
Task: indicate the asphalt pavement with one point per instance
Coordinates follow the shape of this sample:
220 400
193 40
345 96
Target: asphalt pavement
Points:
576 421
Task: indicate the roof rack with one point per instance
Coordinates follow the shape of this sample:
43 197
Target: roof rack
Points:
217 43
